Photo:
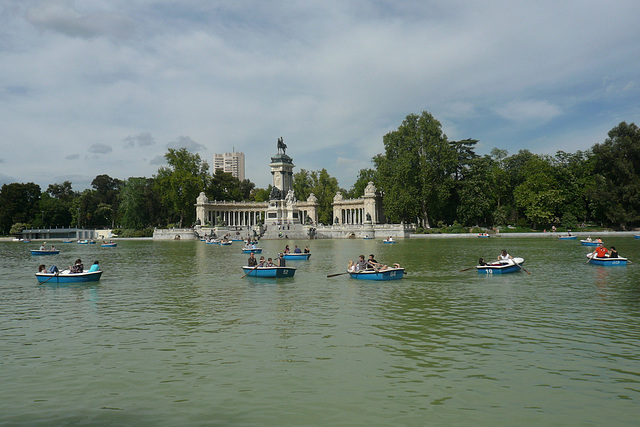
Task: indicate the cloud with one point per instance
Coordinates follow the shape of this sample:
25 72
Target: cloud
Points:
100 149
6 179
186 142
141 140
72 157
65 20
531 110
158 160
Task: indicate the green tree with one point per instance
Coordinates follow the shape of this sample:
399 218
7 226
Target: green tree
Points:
224 186
364 177
18 203
302 184
324 188
416 171
616 190
180 183
477 195
538 195
133 204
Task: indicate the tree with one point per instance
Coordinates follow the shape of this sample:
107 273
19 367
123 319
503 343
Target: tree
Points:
617 169
416 171
133 204
324 187
302 184
477 193
225 186
180 183
538 195
18 203
364 177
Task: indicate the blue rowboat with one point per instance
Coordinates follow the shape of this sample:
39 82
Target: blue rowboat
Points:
276 272
44 252
296 257
67 277
606 261
367 237
567 237
86 242
108 245
227 243
250 250
636 236
590 243
501 267
388 241
237 240
484 235
388 274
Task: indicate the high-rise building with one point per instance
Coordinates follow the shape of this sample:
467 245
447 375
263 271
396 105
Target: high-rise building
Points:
230 162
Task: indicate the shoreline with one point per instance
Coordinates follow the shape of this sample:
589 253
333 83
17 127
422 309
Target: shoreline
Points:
555 235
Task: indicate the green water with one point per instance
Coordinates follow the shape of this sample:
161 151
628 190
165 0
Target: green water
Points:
172 335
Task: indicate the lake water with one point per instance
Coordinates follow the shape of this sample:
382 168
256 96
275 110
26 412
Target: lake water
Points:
172 335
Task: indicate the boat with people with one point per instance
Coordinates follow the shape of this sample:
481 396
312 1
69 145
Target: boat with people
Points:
502 266
248 250
66 276
389 240
45 251
589 242
367 237
484 235
606 261
86 242
395 273
225 242
108 245
567 237
299 256
273 272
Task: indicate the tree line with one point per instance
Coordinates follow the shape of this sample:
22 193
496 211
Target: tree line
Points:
423 178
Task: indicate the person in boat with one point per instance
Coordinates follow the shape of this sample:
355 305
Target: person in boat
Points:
613 253
252 261
297 250
361 265
504 256
372 263
281 261
94 267
53 248
286 249
600 252
482 262
589 239
269 263
42 268
351 266
42 248
77 267
262 262
306 249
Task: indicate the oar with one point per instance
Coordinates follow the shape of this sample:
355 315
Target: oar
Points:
250 271
466 269
337 274
521 267
590 257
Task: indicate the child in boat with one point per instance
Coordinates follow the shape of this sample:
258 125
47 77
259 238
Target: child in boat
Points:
262 262
94 267
77 267
613 253
269 263
351 266
42 268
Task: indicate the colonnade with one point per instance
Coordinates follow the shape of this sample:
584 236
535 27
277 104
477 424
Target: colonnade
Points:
352 216
236 218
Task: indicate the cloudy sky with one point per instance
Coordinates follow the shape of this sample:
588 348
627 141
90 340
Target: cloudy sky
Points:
91 87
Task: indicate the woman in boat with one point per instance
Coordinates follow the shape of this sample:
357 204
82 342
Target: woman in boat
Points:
306 249
77 267
42 268
286 249
504 256
613 253
481 262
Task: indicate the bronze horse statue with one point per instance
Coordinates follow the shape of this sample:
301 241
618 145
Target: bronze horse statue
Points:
282 146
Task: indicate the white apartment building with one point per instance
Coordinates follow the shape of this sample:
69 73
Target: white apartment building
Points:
230 162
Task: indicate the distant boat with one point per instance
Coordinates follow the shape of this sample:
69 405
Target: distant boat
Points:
484 235
588 242
86 242
367 237
45 252
274 272
68 277
388 240
296 256
246 250
567 237
108 245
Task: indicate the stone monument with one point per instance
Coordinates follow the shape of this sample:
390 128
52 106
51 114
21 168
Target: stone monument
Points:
282 201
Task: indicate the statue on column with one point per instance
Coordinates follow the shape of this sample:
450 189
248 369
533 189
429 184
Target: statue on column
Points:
282 146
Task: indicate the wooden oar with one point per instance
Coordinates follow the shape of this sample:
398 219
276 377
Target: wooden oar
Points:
250 271
521 267
56 275
466 269
337 274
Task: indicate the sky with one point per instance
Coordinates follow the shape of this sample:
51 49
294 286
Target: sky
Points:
91 87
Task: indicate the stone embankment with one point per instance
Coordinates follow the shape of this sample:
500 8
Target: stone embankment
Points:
580 234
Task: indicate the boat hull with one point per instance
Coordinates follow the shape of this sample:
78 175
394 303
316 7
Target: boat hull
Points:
296 257
255 251
567 237
504 267
273 272
389 274
108 245
388 241
606 261
587 243
39 252
66 277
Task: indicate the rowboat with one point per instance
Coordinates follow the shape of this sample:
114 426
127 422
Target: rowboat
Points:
296 256
567 237
225 243
484 235
388 241
388 274
636 236
67 277
237 240
44 252
606 261
108 245
501 267
250 250
590 243
86 242
276 272
367 237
